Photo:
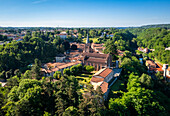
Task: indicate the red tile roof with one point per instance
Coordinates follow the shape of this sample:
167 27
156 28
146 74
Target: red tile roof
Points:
97 55
104 87
168 77
96 60
94 79
159 67
151 63
56 66
105 73
168 69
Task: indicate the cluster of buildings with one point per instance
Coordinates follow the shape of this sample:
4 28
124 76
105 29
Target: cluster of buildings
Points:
87 54
17 37
156 67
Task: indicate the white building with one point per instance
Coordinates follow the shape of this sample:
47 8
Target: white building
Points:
63 35
166 72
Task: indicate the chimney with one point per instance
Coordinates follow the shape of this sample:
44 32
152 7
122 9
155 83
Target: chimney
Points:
165 67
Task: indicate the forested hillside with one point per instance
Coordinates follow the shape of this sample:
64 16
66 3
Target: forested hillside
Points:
157 25
154 38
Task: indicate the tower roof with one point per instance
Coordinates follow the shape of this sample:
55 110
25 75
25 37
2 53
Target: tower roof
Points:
87 40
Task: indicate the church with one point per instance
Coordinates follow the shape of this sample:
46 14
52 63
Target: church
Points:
88 55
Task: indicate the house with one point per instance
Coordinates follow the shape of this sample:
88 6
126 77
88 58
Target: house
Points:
63 35
50 68
105 78
3 84
102 79
120 53
145 50
151 66
97 48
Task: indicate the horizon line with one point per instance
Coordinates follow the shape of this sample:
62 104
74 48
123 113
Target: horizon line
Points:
88 26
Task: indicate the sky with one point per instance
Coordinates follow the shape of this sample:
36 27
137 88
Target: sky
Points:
83 13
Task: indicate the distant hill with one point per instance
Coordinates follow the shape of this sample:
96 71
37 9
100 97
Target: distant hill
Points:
157 25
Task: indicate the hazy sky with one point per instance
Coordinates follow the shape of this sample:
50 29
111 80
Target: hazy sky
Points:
83 13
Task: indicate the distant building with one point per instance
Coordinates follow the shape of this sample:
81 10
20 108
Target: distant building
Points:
120 53
145 50
18 39
62 35
166 72
167 48
111 35
151 65
74 35
3 84
98 48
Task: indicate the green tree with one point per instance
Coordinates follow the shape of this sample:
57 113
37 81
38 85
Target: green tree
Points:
89 68
57 75
71 111
146 80
35 70
74 70
67 71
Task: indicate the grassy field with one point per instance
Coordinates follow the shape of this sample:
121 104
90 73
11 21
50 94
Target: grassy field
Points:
115 88
94 40
84 80
116 85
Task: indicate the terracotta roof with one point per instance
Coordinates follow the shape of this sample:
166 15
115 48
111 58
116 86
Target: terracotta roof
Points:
152 69
69 64
54 64
168 69
105 73
168 77
151 63
57 66
96 55
96 60
159 67
104 87
120 53
96 45
94 79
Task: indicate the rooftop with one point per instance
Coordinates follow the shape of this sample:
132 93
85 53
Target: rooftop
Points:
103 72
104 87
